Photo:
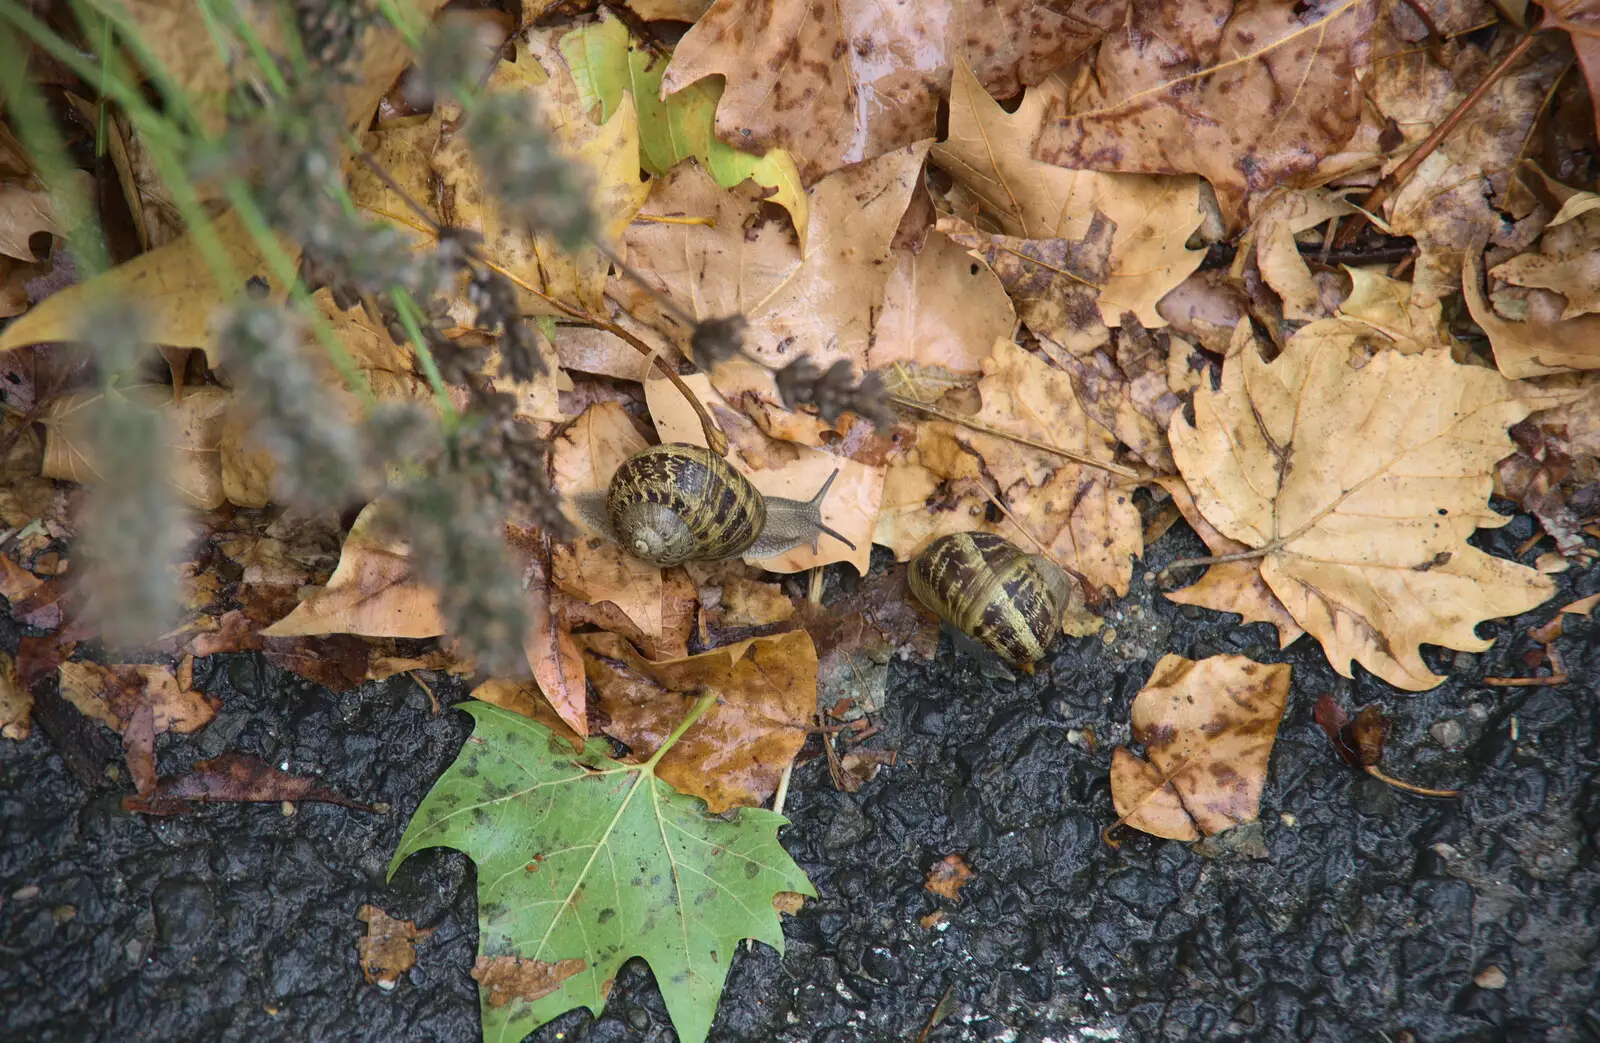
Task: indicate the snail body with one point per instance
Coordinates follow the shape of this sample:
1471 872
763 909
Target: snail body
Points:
1010 602
678 502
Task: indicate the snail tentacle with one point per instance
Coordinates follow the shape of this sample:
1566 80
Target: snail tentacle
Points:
791 523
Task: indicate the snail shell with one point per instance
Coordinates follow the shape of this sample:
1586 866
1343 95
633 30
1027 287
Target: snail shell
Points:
679 502
1010 602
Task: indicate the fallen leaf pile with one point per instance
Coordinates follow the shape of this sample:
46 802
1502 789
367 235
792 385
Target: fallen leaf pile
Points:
1320 279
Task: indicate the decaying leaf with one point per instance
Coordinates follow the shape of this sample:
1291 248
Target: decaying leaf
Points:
766 693
939 309
947 877
1249 104
26 212
233 778
990 154
1207 728
372 592
585 859
113 694
549 647
1360 486
844 83
388 949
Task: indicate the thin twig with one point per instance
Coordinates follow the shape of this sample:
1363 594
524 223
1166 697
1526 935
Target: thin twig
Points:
1447 126
933 1015
1526 682
1423 791
956 418
1217 559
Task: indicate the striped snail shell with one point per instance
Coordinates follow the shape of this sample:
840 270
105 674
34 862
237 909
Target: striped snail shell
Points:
1010 602
679 502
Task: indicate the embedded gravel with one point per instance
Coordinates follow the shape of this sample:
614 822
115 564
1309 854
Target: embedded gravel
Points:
1373 915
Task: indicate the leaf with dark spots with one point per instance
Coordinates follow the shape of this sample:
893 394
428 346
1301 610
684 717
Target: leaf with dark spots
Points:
1250 107
388 949
1207 728
233 778
584 863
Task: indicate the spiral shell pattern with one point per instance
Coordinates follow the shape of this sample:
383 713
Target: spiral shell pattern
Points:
1009 602
678 502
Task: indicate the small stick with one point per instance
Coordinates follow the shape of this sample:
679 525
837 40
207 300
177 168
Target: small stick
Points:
433 700
956 418
1423 791
1215 559
1526 682
933 1015
1446 127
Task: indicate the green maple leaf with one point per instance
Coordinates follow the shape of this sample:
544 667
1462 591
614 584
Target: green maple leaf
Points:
605 62
584 862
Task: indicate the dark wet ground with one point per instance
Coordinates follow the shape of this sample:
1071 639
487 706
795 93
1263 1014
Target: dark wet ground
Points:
1369 917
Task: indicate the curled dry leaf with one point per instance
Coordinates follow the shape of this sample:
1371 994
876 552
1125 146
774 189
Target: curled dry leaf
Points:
1359 487
1249 106
1389 306
839 84
1567 260
113 694
194 426
1207 729
388 949
1445 208
733 756
1358 741
373 591
557 667
1540 342
1283 216
781 469
989 152
525 698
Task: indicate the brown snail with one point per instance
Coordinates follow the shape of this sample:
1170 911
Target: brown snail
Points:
679 502
1009 602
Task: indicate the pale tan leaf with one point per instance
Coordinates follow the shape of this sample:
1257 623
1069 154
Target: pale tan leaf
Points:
25 212
372 592
194 427
1360 487
1282 217
1540 342
1444 206
172 285
1389 306
940 308
1232 586
16 701
1567 262
1207 728
990 154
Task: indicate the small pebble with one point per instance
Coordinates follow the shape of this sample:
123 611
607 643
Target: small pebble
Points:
1450 733
1491 977
288 808
27 891
64 914
1108 635
1478 712
1288 820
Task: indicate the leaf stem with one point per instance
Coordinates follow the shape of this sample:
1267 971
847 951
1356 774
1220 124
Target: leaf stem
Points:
701 705
1217 559
957 418
1423 791
410 315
